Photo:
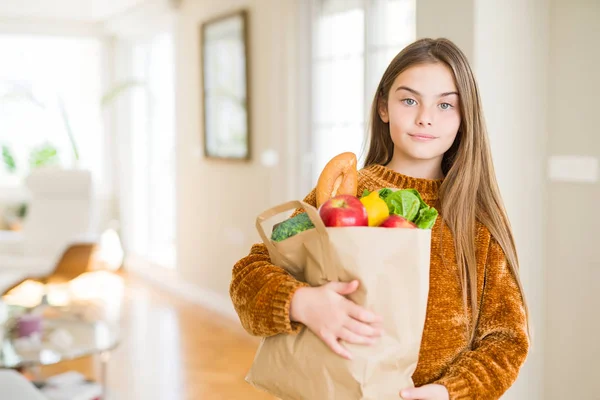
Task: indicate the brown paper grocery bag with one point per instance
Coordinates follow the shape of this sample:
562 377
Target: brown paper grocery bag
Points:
392 265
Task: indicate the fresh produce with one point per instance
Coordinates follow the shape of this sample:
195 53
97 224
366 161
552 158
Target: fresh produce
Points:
377 209
396 221
339 205
408 203
385 208
291 227
344 210
338 177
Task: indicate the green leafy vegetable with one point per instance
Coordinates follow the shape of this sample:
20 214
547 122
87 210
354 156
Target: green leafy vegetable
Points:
291 227
383 193
426 218
404 203
422 203
409 204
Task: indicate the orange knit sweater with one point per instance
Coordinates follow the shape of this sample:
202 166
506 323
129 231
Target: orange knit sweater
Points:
261 293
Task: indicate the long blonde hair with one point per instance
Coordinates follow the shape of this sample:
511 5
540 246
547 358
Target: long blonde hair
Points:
470 191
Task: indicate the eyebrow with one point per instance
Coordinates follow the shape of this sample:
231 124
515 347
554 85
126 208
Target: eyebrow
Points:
419 94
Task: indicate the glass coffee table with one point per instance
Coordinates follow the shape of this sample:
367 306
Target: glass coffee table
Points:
81 338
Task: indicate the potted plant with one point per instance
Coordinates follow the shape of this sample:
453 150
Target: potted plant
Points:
41 156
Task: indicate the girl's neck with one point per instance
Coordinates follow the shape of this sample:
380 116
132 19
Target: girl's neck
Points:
423 169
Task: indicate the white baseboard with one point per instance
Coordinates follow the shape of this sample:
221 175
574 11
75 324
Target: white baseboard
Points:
169 280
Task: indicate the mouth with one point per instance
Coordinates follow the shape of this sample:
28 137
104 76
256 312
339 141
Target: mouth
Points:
422 137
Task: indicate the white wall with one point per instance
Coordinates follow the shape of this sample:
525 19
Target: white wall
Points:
50 27
511 47
454 20
507 44
218 201
573 277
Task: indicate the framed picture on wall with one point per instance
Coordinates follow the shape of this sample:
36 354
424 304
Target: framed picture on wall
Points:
225 87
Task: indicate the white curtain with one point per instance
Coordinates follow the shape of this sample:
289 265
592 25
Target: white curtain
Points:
146 148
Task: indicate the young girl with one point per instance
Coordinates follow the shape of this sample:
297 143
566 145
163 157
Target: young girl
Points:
428 133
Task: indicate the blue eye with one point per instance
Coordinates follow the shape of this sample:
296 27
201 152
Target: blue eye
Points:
409 102
446 106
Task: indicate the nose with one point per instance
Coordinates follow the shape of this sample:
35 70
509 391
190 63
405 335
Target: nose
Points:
424 117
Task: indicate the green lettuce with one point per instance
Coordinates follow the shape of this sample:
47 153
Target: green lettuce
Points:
383 193
404 203
426 218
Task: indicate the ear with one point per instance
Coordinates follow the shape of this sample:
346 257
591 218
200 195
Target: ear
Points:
382 110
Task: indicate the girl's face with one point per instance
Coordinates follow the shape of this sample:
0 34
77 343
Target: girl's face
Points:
423 112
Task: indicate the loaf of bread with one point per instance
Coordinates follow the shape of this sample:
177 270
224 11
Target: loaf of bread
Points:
339 176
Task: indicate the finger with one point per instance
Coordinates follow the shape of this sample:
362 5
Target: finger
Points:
409 395
377 326
352 337
336 347
344 288
359 313
362 329
421 393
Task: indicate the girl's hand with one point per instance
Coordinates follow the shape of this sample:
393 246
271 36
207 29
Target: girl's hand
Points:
426 392
330 316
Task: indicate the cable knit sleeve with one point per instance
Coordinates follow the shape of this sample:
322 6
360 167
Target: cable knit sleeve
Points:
491 366
262 292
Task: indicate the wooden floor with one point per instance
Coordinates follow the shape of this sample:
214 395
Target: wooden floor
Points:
173 350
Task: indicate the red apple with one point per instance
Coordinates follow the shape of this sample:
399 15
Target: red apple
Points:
343 210
397 221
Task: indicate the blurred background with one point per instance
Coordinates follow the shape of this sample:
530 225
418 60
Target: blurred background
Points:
140 139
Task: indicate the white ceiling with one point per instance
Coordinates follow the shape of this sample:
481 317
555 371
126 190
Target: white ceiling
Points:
71 10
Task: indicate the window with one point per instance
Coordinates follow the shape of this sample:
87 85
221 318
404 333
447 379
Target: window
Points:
151 199
353 42
50 86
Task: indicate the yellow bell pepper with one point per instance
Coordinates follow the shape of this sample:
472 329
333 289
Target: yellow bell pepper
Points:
377 209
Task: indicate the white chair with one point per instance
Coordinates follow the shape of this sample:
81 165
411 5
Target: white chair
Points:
58 216
14 386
